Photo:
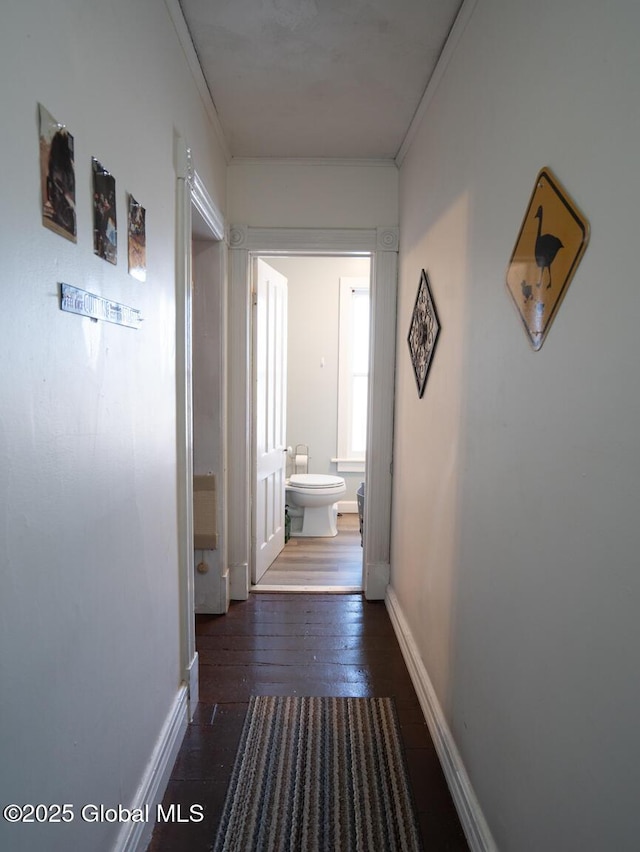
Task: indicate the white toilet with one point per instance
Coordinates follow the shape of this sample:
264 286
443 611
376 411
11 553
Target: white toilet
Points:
316 494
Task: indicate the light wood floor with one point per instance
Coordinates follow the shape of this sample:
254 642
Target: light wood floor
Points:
318 564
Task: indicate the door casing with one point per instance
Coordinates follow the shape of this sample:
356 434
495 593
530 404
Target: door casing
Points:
190 193
381 245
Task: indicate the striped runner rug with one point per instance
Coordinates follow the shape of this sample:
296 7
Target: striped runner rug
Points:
317 774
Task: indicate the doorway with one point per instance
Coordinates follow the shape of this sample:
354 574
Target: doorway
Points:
196 216
324 348
381 245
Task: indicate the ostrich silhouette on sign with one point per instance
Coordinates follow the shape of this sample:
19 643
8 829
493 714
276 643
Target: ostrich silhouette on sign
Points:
546 248
552 239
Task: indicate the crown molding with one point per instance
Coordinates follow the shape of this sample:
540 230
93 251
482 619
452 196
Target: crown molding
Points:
455 34
184 37
206 207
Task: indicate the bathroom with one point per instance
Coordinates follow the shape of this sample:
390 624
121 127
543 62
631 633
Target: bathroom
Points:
326 296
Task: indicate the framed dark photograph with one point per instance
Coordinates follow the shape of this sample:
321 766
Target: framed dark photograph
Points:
137 240
423 332
57 176
105 227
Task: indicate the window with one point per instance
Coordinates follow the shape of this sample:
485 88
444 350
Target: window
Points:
353 374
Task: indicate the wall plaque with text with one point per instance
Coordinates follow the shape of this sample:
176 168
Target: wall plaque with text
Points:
86 304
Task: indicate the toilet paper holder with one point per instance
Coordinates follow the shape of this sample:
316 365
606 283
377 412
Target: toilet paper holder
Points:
301 459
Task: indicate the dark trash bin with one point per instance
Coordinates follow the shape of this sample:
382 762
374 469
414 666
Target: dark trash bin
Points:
287 524
360 496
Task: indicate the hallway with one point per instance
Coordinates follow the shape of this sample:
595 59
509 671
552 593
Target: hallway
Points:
297 644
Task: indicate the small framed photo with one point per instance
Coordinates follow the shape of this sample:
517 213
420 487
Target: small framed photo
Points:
137 240
57 176
105 225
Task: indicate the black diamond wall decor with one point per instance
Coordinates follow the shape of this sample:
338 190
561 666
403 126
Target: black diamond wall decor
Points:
423 332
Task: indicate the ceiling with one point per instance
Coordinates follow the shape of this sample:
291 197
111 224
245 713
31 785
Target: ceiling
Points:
317 78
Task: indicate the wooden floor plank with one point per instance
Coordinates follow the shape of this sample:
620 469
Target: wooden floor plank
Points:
287 643
299 656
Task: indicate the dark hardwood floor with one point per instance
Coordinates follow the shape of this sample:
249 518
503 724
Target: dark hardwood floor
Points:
296 644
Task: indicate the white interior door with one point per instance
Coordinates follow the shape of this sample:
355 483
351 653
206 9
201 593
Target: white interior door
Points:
269 415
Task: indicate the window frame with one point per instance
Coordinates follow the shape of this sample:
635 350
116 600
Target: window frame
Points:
347 459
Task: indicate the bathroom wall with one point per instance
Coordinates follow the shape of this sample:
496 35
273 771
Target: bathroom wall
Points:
312 373
517 475
89 592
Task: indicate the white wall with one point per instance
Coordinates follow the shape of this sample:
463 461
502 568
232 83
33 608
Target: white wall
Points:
89 632
300 194
209 410
312 356
517 476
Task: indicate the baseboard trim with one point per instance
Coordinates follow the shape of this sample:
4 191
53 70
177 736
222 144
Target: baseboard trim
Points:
472 819
135 836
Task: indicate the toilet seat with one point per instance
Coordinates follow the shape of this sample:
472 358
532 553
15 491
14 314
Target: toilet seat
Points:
315 481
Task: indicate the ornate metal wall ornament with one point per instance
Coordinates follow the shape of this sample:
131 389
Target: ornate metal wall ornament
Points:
423 332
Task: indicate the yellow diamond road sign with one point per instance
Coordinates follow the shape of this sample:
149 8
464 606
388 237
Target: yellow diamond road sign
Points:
550 245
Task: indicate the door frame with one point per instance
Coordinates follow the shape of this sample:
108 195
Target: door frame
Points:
190 193
255 364
381 245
